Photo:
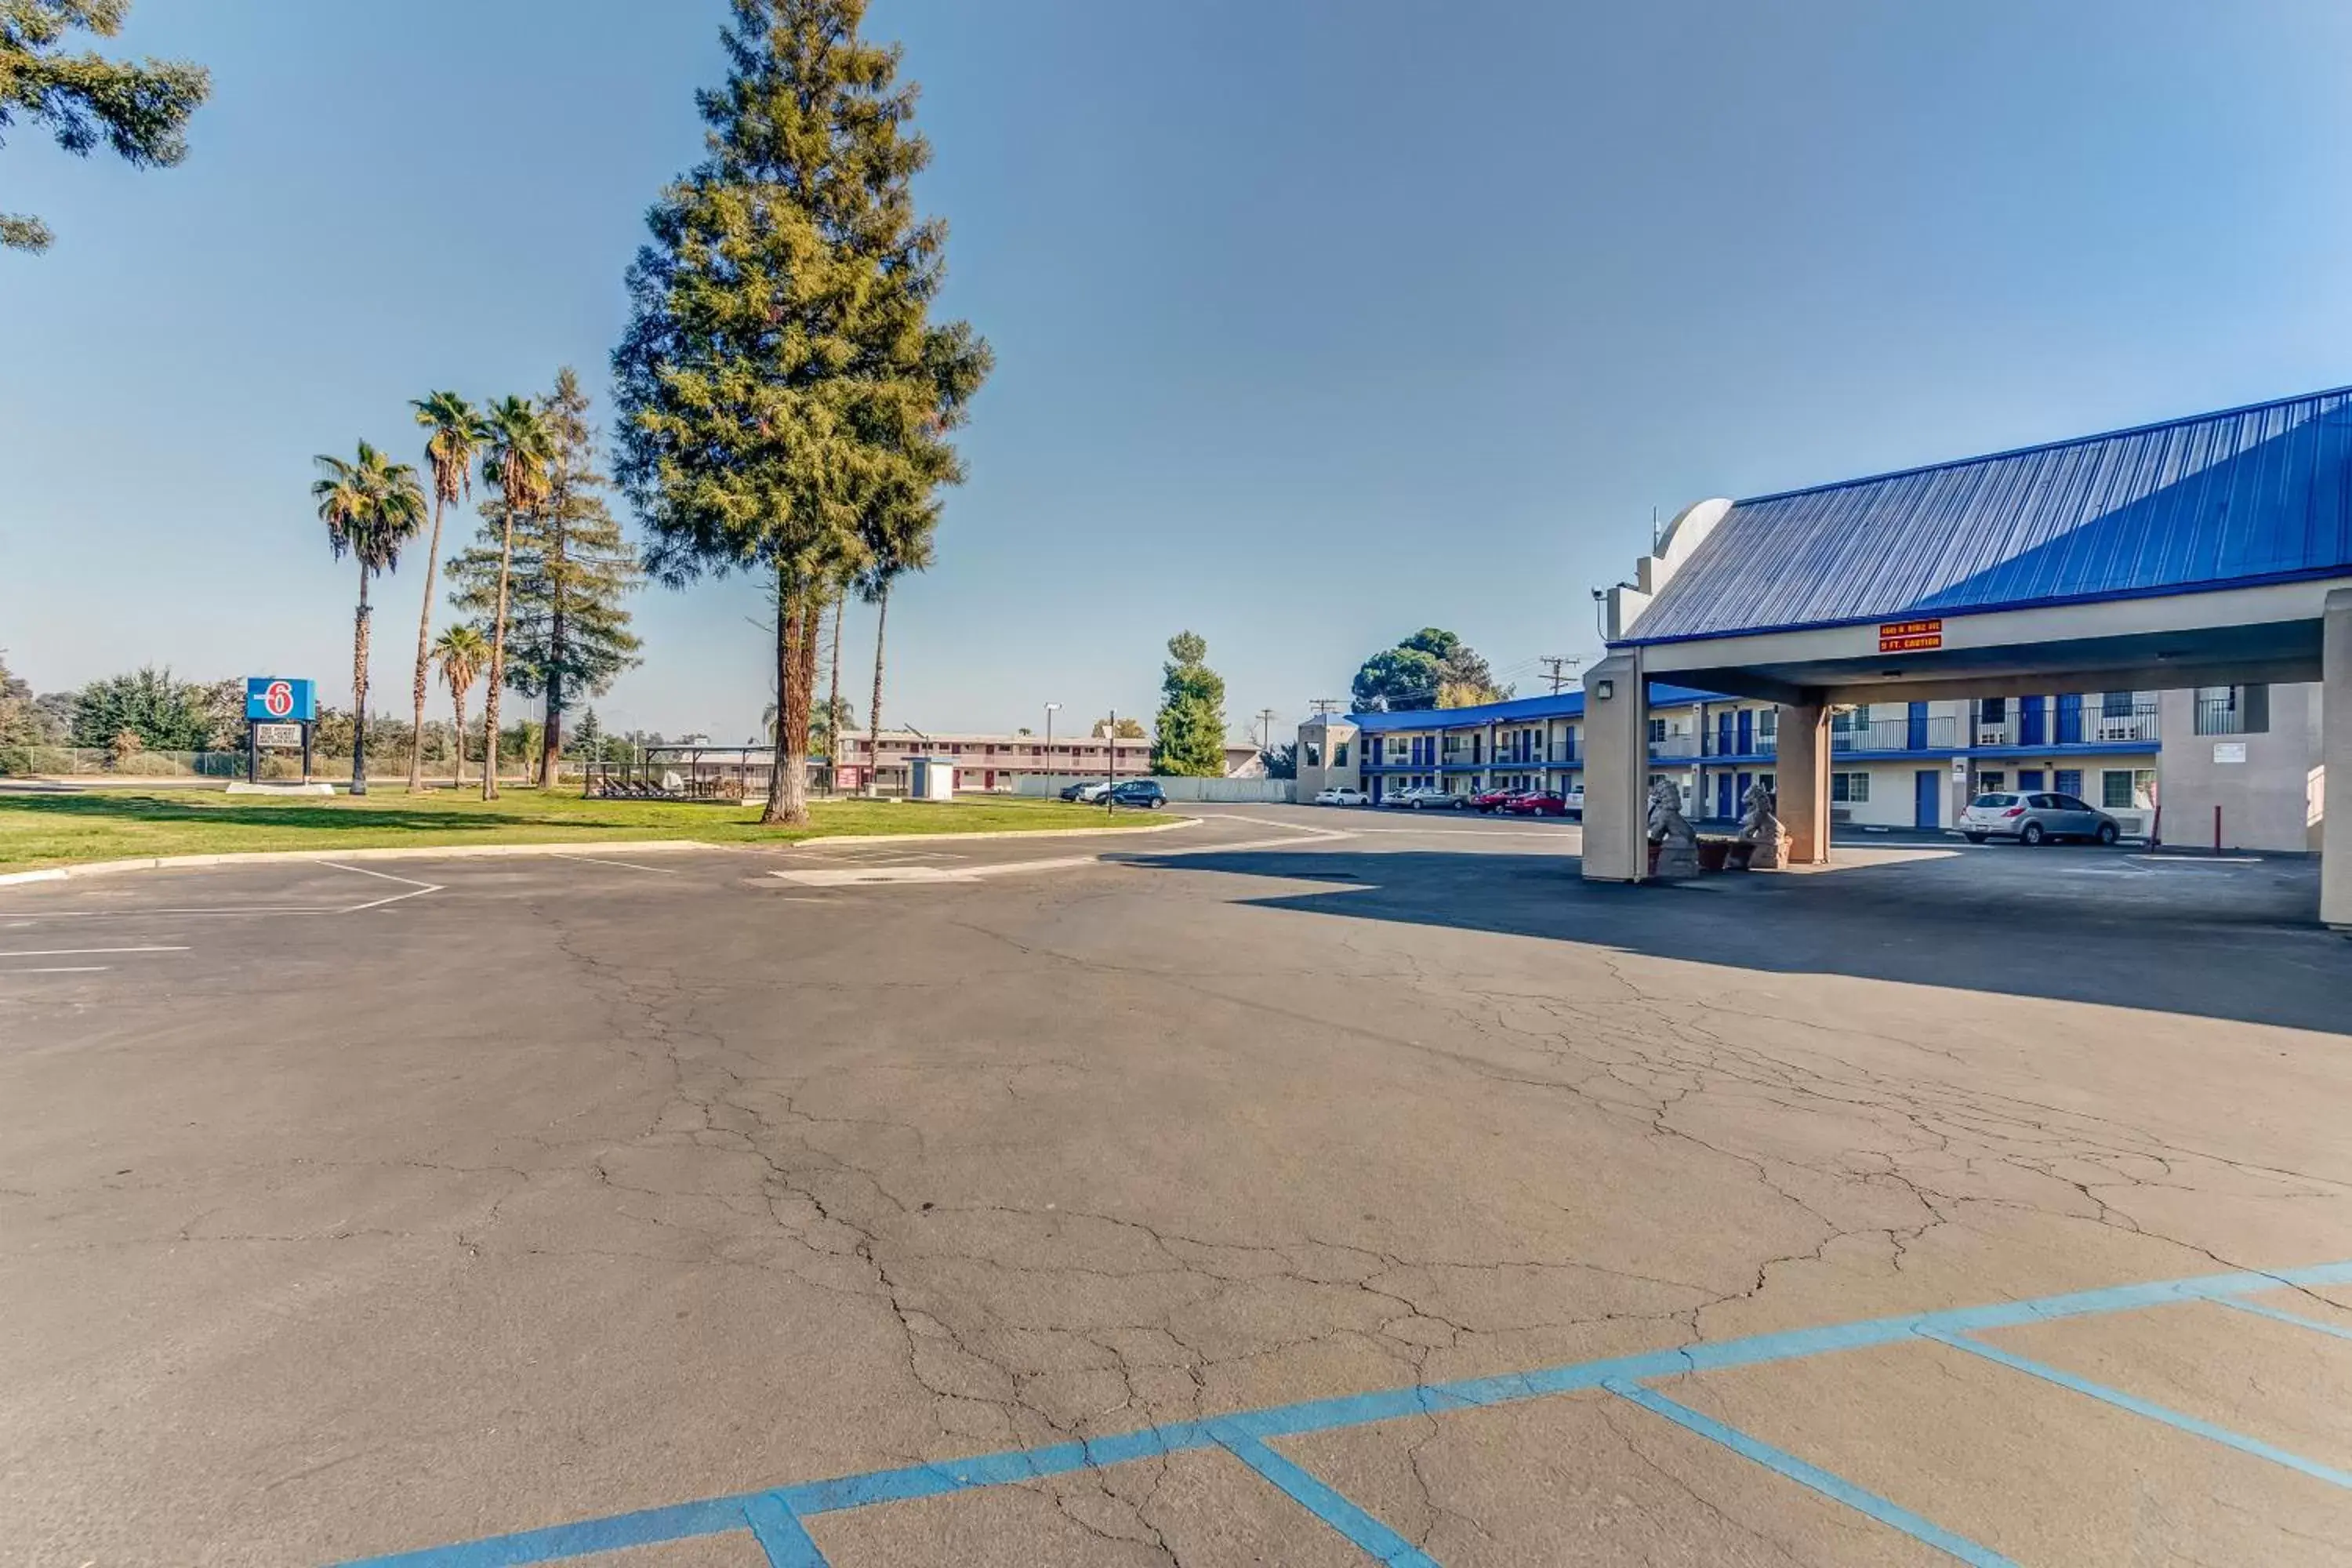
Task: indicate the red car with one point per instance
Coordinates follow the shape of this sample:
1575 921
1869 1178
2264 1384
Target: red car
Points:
1493 800
1537 803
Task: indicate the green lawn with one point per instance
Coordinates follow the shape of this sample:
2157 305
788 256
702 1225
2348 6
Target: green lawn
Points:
38 830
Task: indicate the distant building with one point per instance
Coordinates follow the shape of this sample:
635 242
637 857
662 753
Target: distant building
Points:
986 762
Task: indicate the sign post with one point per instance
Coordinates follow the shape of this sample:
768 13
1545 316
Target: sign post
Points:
279 713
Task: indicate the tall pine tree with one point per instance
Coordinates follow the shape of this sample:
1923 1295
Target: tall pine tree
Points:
1189 737
567 626
782 388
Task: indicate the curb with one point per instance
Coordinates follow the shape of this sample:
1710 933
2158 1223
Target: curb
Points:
548 847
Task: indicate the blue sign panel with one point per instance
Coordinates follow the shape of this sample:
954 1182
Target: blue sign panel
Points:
273 699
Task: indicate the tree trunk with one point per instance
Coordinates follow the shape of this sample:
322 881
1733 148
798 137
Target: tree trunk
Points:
832 701
359 688
497 666
423 637
458 765
874 714
550 740
795 674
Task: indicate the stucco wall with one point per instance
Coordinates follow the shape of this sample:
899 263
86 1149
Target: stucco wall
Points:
2267 801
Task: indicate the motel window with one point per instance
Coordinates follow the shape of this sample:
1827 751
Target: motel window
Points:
1314 753
1768 723
2128 789
1339 753
2114 704
1991 780
1850 789
1993 711
1657 730
2069 780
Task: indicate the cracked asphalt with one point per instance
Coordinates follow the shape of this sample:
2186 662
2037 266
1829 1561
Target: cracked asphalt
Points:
571 1186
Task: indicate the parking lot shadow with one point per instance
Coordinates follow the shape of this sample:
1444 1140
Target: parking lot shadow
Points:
2218 939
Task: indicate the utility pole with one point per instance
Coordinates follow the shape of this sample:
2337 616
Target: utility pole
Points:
1051 708
1559 670
1265 730
1110 806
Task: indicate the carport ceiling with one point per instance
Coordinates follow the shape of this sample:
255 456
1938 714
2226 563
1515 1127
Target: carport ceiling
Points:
2168 660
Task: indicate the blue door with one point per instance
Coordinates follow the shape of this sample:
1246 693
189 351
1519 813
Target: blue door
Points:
2070 718
1915 733
1739 795
1747 738
1723 735
1723 796
2032 715
1927 796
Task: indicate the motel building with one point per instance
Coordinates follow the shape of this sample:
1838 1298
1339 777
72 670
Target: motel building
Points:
985 762
2232 766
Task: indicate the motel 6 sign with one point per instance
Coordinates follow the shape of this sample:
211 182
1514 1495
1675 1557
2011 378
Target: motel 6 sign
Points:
274 698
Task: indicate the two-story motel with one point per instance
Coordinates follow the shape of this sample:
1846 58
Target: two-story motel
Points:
2231 765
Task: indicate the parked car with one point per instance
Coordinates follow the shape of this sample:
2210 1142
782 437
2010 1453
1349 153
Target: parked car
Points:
1490 801
2036 818
1340 795
1542 803
1426 797
1086 790
1143 793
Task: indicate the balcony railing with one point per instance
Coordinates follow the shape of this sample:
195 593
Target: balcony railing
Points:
2221 716
1674 746
1903 734
1720 744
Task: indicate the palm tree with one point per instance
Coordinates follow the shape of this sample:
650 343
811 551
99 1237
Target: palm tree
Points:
891 553
371 506
461 652
518 450
456 434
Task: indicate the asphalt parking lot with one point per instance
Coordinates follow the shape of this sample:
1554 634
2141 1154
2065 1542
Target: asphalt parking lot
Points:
1296 1186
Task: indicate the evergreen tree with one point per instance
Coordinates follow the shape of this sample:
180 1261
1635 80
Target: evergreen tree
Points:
166 715
1191 740
567 630
784 391
84 98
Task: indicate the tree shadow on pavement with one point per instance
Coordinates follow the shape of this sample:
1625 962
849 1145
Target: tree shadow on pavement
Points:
2206 939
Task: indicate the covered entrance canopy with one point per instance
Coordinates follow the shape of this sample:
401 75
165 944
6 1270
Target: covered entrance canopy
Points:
2210 550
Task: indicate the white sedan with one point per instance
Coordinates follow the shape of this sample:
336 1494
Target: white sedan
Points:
1340 795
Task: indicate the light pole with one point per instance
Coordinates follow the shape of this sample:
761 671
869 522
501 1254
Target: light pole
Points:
1051 708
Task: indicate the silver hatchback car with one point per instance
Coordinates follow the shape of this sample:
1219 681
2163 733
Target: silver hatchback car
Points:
2036 817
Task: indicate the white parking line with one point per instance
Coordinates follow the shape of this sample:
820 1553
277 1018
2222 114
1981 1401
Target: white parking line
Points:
418 889
624 865
63 969
81 952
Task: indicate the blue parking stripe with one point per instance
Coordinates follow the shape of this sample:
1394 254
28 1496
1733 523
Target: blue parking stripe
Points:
2139 1406
1836 1487
780 1533
1376 1540
2280 1314
714 1515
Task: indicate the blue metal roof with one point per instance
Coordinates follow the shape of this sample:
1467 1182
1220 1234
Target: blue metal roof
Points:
2247 496
1561 705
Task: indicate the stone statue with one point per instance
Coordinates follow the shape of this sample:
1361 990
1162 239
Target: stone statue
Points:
1677 840
1761 826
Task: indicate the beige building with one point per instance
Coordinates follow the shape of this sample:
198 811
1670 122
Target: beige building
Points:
984 763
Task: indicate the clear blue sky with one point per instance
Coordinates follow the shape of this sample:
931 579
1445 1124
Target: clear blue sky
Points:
1316 320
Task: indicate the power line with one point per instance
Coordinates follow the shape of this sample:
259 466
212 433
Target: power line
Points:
1323 705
